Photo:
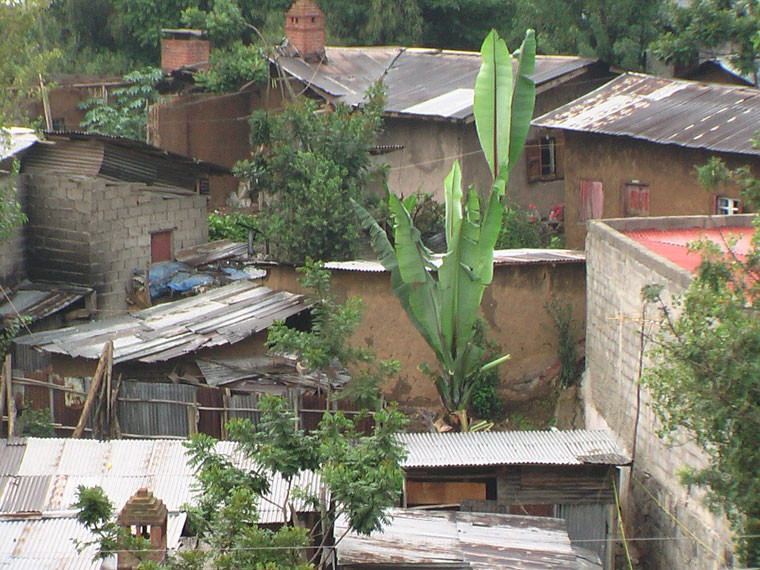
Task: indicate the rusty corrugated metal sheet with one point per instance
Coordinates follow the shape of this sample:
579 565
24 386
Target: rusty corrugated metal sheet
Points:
420 82
673 244
39 300
577 447
210 252
666 111
221 316
451 539
11 453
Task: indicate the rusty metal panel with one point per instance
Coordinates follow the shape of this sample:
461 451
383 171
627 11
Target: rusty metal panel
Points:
146 417
575 447
80 158
666 111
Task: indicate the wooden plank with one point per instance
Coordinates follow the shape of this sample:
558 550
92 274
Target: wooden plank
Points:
444 492
106 360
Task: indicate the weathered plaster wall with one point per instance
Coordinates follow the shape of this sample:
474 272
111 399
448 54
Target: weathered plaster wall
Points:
514 306
670 172
92 232
617 269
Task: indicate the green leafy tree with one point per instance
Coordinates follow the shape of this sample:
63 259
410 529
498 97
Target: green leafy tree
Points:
444 309
728 28
125 114
311 163
232 67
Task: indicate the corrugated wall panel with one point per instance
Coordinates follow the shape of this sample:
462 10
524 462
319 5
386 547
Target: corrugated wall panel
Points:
588 527
151 418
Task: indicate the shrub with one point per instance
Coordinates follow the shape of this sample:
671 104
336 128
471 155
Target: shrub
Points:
230 225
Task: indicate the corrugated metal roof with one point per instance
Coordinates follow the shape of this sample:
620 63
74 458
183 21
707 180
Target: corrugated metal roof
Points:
500 257
418 82
453 539
14 140
576 447
221 316
39 300
673 244
666 111
52 470
47 543
143 147
210 252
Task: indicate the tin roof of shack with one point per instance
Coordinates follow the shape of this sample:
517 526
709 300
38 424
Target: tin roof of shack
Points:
39 479
221 316
455 539
666 111
471 449
419 82
500 257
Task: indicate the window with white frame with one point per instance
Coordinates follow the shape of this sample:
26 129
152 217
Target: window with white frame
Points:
725 206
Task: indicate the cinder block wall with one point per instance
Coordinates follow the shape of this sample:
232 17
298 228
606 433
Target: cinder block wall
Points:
617 269
96 233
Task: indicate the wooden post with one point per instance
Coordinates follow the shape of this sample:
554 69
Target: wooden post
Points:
8 375
115 428
2 397
105 361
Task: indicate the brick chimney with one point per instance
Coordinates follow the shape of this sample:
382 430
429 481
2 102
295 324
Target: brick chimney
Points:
144 515
305 30
183 48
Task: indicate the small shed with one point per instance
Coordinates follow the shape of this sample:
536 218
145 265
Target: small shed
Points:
564 474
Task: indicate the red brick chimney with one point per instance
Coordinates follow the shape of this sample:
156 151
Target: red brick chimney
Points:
305 30
183 48
146 516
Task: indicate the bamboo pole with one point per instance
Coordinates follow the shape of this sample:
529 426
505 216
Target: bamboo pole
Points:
106 360
11 401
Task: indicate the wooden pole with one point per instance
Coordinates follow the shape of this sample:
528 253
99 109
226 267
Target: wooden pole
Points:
9 394
105 361
2 397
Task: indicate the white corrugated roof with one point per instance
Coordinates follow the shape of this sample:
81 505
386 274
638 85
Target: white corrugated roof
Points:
13 140
576 447
51 471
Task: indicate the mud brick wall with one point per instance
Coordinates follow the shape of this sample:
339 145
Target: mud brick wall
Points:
616 270
94 232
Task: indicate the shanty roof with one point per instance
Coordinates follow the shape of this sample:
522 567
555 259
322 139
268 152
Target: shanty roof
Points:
268 373
500 257
577 447
14 140
39 300
454 539
666 111
221 316
430 83
39 480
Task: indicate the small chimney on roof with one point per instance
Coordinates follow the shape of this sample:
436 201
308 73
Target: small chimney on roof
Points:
183 48
305 30
144 515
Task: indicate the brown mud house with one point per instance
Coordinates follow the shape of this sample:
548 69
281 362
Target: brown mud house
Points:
632 148
428 109
623 256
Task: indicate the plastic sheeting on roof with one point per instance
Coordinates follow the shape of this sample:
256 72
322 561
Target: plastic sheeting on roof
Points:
577 447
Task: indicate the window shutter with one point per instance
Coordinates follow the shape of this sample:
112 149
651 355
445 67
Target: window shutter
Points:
591 203
533 160
559 157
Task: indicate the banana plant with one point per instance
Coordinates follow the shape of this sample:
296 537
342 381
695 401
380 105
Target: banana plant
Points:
443 301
